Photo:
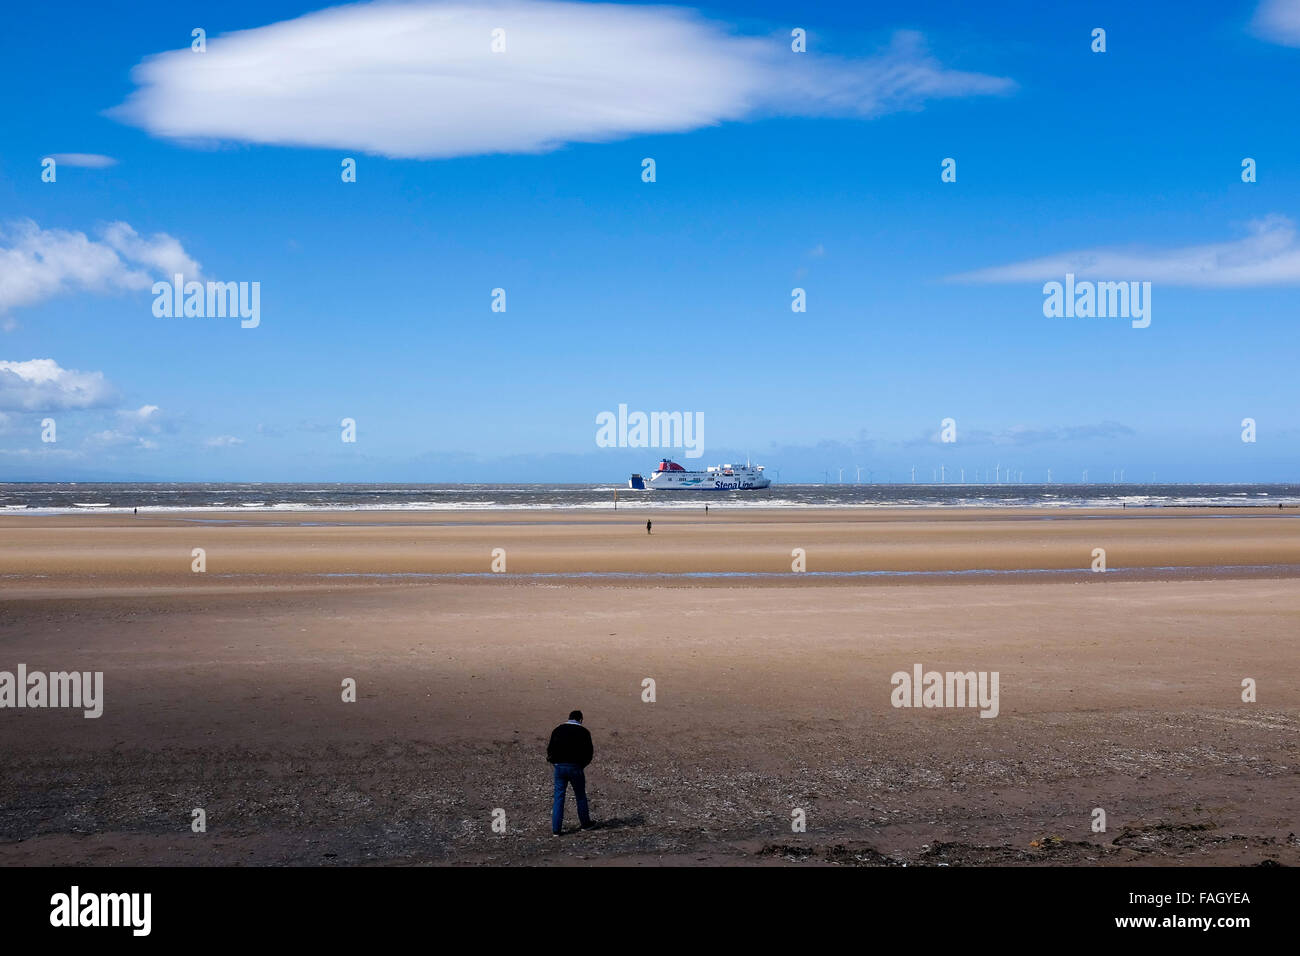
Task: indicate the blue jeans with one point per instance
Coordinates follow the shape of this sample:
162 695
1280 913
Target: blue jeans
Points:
566 774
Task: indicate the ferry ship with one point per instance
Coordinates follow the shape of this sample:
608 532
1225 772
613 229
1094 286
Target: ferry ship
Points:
670 476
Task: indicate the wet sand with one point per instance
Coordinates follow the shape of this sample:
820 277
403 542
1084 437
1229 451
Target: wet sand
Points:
1119 691
157 549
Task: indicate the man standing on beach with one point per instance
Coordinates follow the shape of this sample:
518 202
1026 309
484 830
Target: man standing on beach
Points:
647 527
570 751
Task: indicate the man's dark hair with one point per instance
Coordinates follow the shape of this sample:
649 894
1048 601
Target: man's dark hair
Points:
575 715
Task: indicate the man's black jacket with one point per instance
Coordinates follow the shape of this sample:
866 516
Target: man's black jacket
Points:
570 743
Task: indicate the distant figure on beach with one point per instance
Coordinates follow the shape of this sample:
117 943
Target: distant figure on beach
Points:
647 527
706 509
570 751
135 511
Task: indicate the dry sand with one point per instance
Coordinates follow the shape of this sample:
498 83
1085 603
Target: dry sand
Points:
1119 690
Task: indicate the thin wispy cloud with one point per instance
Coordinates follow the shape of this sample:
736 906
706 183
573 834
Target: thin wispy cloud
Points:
37 264
119 438
1025 435
1268 255
1278 21
420 80
84 160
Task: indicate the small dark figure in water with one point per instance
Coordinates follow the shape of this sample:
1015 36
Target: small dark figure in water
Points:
647 527
135 511
706 509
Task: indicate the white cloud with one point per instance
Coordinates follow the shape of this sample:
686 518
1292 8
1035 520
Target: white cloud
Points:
223 441
120 438
420 79
42 385
145 420
1278 21
132 429
1268 255
160 252
38 264
143 414
84 160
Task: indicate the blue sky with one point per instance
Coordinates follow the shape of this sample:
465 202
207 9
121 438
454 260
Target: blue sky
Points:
522 170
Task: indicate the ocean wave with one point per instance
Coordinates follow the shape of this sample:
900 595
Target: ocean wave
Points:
31 499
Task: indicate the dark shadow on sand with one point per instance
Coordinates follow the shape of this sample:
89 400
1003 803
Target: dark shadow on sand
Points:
618 823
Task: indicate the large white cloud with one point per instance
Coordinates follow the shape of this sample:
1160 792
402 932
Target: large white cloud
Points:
1268 255
1278 21
420 79
43 385
37 264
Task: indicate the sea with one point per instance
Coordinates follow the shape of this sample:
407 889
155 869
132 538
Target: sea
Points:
63 497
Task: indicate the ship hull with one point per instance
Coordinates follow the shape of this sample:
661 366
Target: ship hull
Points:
705 481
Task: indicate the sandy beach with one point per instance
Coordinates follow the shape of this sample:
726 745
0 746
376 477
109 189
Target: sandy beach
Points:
1119 690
